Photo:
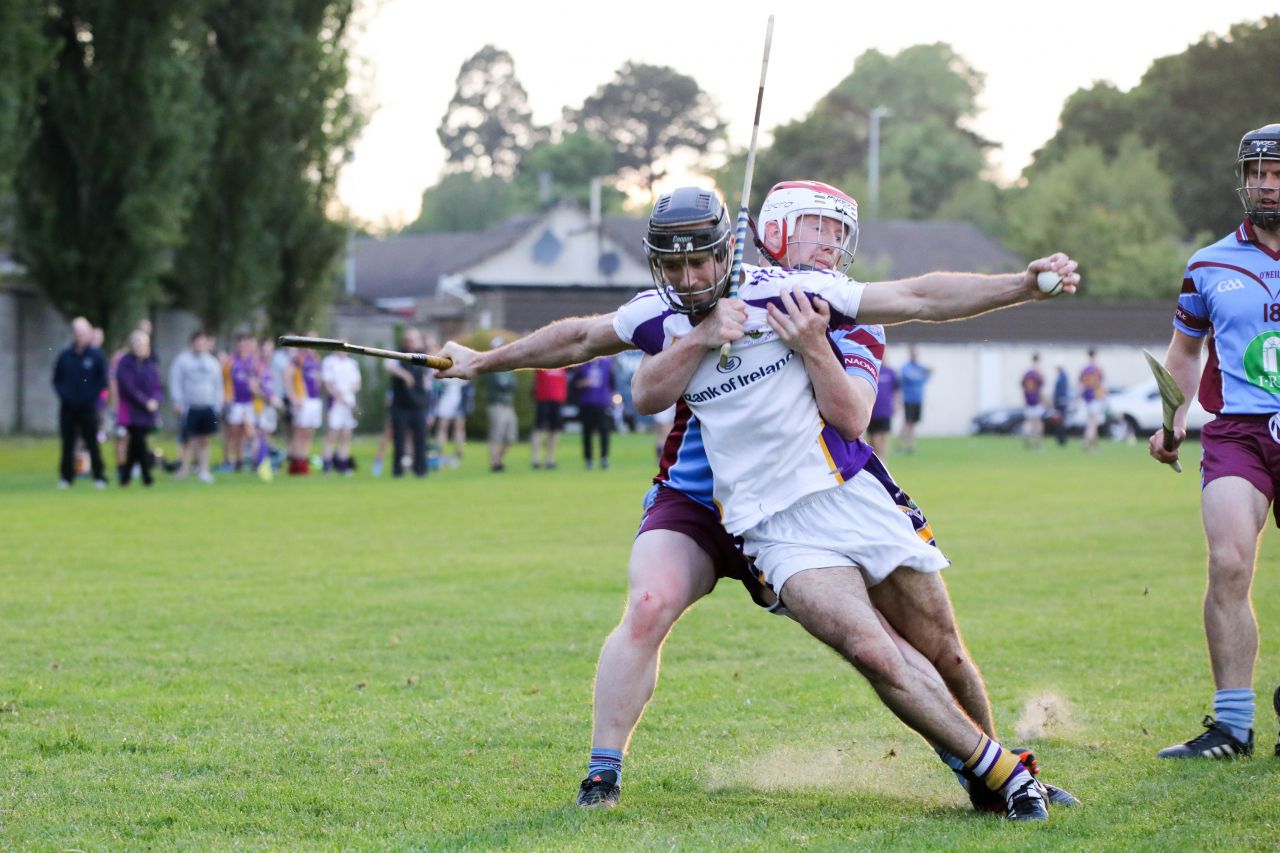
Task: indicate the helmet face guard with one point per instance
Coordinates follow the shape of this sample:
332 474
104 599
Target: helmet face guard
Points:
687 230
816 223
1256 147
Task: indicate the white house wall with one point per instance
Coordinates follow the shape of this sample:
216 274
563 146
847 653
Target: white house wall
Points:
577 264
972 378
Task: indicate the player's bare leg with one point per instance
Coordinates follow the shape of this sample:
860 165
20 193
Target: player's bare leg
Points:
1234 513
917 605
833 604
667 573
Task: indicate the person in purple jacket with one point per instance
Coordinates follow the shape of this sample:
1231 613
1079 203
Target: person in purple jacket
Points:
138 380
878 428
593 384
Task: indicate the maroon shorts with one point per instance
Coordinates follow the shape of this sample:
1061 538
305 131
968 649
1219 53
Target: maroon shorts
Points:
1246 446
668 509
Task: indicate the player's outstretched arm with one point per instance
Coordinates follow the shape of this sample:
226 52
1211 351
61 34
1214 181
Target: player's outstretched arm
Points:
662 378
566 342
944 296
1183 362
843 401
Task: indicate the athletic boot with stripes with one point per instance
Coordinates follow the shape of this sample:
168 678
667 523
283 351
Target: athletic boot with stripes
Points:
1216 742
599 790
985 800
1275 701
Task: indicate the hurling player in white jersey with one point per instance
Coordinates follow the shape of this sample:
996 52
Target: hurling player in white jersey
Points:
1231 297
682 549
781 423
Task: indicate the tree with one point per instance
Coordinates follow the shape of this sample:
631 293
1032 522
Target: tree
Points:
571 164
322 125
648 112
464 202
23 56
929 92
488 126
1193 107
285 122
1113 215
1190 110
104 191
1100 116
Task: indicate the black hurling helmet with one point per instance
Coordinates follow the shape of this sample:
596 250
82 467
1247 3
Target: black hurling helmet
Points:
1256 146
686 225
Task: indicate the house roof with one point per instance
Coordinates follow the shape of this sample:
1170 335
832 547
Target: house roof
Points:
409 266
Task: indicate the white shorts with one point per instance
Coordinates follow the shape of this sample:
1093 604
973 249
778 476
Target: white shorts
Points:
1033 412
449 404
267 419
1097 407
240 413
856 524
307 414
341 416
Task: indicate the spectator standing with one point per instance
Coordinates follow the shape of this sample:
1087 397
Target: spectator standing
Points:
550 391
1093 393
409 402
500 398
1033 414
882 410
1061 403
195 391
241 377
79 379
341 376
593 385
303 387
138 384
912 378
451 418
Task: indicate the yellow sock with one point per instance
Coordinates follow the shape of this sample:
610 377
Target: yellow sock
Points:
992 764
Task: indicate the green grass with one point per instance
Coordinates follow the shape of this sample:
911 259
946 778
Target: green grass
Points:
374 664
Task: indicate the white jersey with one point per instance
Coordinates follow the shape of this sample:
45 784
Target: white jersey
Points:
340 373
767 443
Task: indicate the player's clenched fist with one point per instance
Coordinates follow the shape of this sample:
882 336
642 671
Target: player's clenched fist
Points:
725 324
800 323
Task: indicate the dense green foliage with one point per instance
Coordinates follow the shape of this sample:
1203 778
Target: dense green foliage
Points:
488 126
360 663
926 153
105 187
23 53
259 240
648 112
183 151
1114 215
1190 110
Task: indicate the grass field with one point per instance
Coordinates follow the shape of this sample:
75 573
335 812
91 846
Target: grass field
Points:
374 664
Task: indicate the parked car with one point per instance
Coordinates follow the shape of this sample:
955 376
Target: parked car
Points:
1137 409
1008 420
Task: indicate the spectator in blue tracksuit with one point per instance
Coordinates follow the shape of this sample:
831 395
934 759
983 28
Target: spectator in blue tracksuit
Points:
912 378
79 378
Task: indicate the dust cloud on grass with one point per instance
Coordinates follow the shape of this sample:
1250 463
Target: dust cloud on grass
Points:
1044 715
908 766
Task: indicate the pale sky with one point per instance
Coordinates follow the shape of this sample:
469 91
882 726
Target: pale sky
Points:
1034 55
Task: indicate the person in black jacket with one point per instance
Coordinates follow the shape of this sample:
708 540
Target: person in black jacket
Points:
409 403
79 378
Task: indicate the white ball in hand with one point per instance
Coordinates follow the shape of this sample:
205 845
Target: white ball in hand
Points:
1049 282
